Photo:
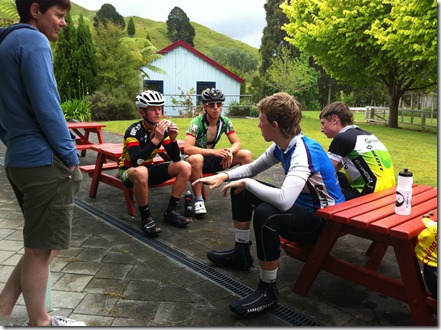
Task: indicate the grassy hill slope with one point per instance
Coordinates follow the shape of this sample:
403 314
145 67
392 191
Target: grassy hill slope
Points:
156 31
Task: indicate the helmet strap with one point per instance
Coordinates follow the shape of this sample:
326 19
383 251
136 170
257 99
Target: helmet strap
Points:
148 121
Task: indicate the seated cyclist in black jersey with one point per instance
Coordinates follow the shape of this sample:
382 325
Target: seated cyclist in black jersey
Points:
136 169
203 133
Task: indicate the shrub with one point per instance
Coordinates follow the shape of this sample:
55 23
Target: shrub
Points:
254 111
106 107
185 105
76 110
239 109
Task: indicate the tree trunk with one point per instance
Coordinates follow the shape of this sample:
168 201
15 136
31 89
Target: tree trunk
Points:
393 111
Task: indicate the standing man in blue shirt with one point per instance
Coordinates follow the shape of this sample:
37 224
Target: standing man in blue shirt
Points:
41 161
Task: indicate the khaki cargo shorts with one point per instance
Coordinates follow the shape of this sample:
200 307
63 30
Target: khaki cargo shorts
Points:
46 197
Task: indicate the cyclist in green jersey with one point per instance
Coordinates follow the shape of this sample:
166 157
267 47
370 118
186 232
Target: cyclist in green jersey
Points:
203 133
365 160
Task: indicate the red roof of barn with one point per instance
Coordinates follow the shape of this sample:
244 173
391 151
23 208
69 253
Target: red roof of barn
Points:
200 55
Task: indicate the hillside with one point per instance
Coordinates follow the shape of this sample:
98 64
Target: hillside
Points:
157 33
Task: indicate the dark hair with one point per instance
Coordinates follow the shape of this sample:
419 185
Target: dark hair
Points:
341 110
24 7
285 110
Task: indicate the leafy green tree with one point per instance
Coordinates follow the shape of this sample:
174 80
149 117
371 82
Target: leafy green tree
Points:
179 27
292 76
144 52
118 62
66 63
8 13
273 41
357 41
237 60
131 30
85 54
108 13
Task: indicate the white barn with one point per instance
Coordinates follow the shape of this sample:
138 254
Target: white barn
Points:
187 69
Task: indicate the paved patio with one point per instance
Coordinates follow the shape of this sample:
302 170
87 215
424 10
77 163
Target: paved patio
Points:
114 276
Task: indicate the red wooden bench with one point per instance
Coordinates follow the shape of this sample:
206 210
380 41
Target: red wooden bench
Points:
107 159
372 217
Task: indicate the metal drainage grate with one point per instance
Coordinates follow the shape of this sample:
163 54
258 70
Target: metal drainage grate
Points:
281 312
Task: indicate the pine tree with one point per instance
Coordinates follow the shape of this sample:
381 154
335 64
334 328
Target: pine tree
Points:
273 41
85 54
65 62
131 31
179 27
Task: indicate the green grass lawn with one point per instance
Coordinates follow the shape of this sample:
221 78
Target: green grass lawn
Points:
408 147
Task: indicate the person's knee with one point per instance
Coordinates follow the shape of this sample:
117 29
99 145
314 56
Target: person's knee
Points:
139 175
196 161
244 156
261 215
181 170
38 254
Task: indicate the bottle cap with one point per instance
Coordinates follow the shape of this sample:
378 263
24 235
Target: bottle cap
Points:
405 173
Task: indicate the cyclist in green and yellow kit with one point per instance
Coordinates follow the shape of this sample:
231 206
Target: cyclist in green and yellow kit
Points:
366 163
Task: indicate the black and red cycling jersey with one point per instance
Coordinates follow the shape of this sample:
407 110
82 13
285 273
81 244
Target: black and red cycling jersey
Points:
139 149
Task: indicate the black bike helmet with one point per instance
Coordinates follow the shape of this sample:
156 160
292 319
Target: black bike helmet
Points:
212 95
149 98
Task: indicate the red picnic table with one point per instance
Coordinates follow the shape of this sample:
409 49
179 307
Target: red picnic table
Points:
373 217
107 158
82 132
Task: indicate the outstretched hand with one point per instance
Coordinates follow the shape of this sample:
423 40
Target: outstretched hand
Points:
213 181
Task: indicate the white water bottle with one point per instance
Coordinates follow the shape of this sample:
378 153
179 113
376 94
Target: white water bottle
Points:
403 202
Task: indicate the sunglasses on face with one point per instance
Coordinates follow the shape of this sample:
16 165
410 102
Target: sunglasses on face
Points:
212 104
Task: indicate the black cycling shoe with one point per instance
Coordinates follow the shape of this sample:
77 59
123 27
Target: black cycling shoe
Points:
237 258
263 298
149 227
175 219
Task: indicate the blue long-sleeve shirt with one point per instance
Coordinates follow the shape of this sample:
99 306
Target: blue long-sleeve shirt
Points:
32 124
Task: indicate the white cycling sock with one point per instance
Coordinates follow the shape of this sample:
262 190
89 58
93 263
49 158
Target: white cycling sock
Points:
268 276
242 236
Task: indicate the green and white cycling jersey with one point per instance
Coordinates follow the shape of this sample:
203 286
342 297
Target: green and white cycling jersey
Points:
198 128
366 161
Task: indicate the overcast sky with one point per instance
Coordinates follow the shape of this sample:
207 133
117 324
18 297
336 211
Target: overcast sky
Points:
242 20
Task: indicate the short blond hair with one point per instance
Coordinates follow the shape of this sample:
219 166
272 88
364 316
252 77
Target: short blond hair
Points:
285 110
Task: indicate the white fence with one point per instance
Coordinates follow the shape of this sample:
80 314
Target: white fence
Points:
423 118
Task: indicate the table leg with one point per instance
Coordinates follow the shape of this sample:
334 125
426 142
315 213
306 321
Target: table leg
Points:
412 281
86 141
100 160
317 257
99 133
375 252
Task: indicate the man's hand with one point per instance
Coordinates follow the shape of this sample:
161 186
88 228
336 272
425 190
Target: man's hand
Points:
239 184
173 131
227 162
213 181
160 129
227 157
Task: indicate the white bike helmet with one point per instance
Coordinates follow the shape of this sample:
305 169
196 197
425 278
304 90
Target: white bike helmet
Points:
149 98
